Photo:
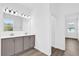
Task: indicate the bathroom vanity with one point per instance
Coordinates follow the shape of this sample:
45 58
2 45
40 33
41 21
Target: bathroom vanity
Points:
14 31
15 45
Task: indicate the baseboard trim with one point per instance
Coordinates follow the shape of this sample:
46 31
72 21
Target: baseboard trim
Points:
71 38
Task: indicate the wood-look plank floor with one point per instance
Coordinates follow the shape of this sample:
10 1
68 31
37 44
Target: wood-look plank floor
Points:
72 48
32 52
71 45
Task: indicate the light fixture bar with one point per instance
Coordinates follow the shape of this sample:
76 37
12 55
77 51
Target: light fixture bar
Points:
16 13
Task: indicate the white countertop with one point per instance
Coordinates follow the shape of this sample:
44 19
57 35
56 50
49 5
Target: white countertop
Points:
11 34
2 37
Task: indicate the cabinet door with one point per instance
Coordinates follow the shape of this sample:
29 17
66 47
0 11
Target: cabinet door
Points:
26 43
18 45
7 47
32 41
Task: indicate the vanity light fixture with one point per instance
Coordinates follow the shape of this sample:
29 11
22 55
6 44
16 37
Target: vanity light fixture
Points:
14 12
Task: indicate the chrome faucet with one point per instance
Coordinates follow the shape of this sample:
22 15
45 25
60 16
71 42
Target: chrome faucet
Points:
25 33
11 34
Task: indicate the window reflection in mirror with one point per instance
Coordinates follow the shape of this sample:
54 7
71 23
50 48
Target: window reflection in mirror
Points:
8 25
71 30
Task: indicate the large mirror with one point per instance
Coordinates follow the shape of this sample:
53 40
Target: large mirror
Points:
12 23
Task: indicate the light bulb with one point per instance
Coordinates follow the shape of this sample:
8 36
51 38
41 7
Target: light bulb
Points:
5 10
9 11
22 15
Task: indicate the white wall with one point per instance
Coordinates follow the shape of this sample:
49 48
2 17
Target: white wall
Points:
40 26
56 11
60 11
73 10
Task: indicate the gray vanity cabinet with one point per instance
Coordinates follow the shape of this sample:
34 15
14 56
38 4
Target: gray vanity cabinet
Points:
29 42
7 47
26 43
32 41
18 45
13 46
